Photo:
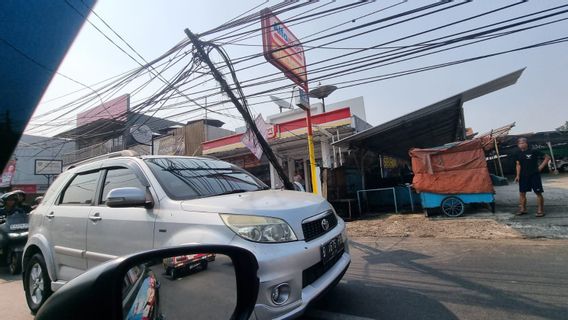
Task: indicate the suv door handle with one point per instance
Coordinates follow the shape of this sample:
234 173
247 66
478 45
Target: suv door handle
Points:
95 217
50 215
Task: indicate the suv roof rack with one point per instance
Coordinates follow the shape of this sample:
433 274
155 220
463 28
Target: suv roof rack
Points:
123 153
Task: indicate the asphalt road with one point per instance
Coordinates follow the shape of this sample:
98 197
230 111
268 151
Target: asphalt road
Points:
421 278
12 300
407 278
203 294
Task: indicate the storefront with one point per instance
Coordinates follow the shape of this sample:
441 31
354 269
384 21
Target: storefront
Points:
287 135
378 174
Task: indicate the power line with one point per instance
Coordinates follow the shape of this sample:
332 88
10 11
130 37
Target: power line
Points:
123 79
148 65
294 18
405 13
359 60
108 38
393 75
390 55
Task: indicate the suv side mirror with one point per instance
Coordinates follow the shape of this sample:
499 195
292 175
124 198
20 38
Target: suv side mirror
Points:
127 197
140 286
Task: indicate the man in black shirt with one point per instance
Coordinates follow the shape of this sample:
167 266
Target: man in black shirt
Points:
528 175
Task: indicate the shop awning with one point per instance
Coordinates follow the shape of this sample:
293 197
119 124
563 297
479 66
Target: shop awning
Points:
434 125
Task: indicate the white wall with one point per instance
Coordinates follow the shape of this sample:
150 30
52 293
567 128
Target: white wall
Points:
357 106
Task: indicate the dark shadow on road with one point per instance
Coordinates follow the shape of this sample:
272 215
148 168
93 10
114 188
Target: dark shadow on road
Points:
5 275
376 301
481 295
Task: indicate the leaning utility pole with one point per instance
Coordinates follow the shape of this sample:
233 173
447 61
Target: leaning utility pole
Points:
244 112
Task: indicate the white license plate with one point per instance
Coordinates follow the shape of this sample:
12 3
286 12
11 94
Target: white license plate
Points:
19 226
331 249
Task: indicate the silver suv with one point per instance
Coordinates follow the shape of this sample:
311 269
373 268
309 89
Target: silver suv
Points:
118 205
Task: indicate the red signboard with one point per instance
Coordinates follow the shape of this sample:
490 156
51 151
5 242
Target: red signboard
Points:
114 109
275 131
283 49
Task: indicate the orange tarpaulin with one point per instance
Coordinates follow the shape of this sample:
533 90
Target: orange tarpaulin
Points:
450 169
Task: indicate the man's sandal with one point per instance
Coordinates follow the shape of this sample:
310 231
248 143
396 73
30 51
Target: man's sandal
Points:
520 213
540 215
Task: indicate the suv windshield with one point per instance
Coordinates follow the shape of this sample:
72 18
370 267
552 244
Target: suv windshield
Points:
191 178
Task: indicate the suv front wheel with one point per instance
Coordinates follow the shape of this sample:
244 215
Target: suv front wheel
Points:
36 282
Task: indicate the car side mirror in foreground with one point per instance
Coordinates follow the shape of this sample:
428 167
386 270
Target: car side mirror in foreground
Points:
186 282
127 197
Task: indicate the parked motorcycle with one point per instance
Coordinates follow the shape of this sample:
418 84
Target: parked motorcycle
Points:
13 230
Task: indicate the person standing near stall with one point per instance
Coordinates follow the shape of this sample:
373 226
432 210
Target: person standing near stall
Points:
528 175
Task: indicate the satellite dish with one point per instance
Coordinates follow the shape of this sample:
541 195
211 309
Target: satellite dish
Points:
322 92
142 134
281 103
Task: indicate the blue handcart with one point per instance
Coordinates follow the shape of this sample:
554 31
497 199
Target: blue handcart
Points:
453 205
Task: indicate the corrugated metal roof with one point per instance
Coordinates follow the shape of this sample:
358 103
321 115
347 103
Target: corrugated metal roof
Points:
434 125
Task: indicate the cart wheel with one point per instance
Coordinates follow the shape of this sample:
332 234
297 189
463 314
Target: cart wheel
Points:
453 206
492 204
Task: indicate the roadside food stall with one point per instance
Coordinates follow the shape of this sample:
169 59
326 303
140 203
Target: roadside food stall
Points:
453 175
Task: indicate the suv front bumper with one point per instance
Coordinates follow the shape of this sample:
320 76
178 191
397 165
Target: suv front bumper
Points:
286 263
309 293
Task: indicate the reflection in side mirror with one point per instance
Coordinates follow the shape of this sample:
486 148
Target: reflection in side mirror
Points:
138 286
126 197
194 286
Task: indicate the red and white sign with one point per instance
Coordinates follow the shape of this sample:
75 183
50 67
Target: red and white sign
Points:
8 174
293 128
283 49
114 109
270 132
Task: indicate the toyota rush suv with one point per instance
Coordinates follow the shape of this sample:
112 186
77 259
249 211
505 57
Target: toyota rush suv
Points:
110 207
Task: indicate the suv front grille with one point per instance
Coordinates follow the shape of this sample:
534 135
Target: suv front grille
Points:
314 229
311 274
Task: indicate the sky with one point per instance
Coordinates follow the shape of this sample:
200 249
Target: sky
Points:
536 103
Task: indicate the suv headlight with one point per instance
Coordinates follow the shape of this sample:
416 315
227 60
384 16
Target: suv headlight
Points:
259 229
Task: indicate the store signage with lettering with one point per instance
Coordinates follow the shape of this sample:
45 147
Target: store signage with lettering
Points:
283 49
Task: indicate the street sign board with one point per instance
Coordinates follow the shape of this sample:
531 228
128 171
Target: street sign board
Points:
283 49
48 167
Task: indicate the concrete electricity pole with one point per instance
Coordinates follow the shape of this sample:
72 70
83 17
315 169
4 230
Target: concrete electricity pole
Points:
244 112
